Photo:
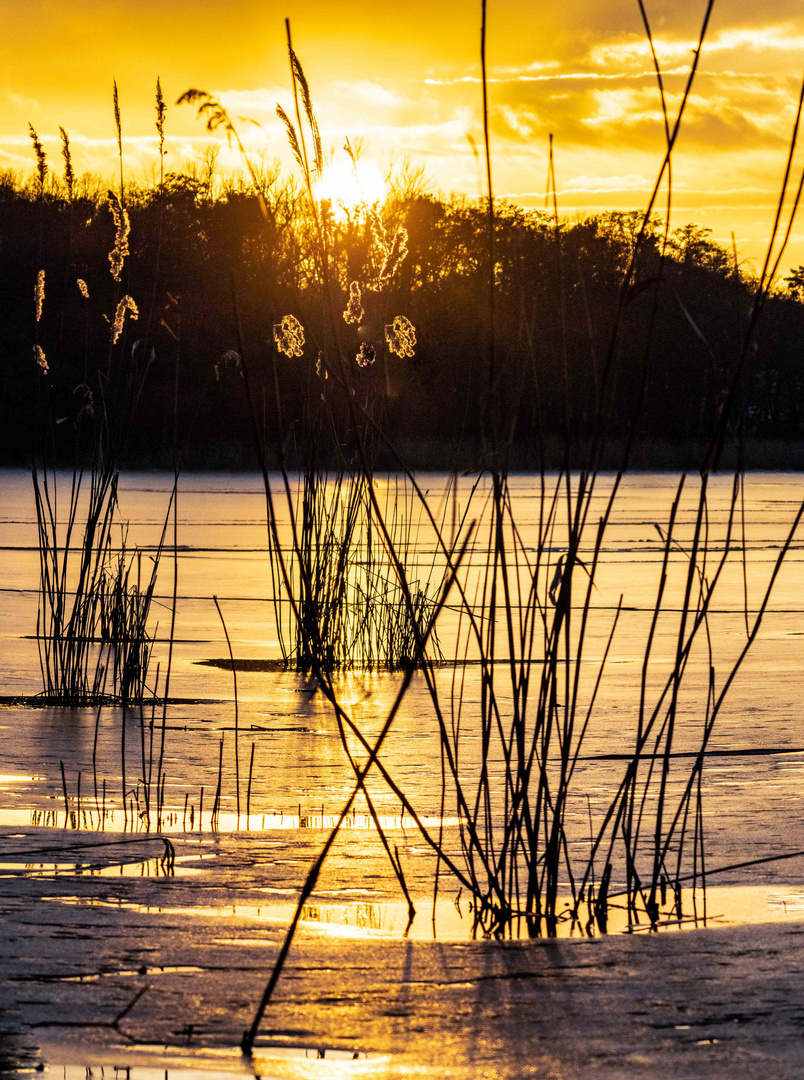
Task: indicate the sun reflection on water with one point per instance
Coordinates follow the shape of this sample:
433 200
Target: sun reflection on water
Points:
454 920
176 822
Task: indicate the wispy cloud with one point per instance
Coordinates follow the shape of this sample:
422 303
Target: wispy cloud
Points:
622 107
558 77
20 101
368 90
779 38
601 184
571 71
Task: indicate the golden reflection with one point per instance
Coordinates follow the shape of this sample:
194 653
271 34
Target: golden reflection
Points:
173 822
147 868
725 906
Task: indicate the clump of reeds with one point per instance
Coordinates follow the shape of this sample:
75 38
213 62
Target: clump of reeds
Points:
92 626
95 601
350 611
526 611
341 604
125 603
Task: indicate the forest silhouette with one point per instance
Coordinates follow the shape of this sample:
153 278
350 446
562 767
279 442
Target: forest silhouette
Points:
201 244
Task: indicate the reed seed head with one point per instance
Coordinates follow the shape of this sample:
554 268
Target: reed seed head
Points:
161 113
69 175
209 110
122 228
378 231
39 293
41 157
354 311
117 123
126 304
82 285
289 336
293 139
41 359
300 80
395 255
401 336
366 354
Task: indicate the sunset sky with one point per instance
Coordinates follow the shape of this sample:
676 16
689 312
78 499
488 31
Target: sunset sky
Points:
405 77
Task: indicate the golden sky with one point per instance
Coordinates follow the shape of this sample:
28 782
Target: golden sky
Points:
405 77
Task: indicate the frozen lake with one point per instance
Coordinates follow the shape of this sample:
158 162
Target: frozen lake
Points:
753 795
96 924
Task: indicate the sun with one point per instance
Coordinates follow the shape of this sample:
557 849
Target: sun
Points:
348 187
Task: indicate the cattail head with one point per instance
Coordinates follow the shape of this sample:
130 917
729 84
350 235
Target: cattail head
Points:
366 355
41 158
122 228
401 336
39 293
69 175
354 311
82 285
41 359
289 336
126 304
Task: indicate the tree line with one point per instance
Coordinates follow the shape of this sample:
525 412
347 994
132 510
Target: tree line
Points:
410 282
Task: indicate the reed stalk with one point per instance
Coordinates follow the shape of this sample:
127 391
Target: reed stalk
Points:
525 613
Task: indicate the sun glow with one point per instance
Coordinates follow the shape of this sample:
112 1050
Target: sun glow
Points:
347 187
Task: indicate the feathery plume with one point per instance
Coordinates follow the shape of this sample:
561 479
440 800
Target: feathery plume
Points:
126 304
122 228
119 129
39 293
41 359
354 312
307 102
69 175
41 157
292 136
161 113
366 355
401 336
352 151
82 285
289 336
395 255
378 232
209 110
117 123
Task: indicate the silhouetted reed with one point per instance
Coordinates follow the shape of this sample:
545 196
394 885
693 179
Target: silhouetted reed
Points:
353 614
341 604
349 592
525 613
95 600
